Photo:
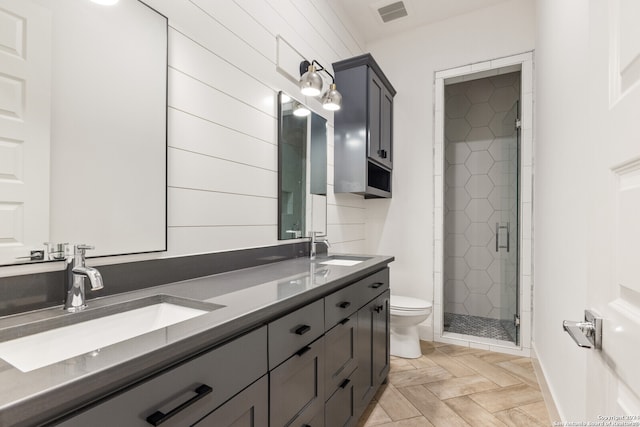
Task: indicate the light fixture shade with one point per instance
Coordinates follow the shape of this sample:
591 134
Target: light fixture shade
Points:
332 99
311 82
300 110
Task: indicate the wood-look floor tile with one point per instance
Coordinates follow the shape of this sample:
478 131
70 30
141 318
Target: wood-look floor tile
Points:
411 422
506 398
457 350
538 410
422 362
396 405
418 376
454 367
523 372
374 415
426 346
473 413
433 409
398 364
516 417
492 372
493 357
462 386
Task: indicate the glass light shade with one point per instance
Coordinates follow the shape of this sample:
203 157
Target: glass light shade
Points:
332 99
301 111
311 82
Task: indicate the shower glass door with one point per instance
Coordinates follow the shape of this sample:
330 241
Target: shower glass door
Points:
481 207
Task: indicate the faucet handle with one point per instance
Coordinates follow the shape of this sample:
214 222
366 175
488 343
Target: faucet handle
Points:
80 248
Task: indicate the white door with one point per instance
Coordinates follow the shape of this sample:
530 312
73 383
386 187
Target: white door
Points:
613 375
25 76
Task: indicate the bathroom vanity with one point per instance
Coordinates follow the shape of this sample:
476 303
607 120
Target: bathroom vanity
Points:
296 342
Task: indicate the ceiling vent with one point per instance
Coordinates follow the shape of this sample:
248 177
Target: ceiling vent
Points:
392 11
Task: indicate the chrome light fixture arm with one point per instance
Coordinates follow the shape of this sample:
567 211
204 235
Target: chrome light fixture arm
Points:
311 84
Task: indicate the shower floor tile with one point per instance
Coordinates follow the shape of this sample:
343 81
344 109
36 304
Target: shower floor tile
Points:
479 326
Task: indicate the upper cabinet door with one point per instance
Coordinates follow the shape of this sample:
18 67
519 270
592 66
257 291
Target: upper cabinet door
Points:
386 130
375 118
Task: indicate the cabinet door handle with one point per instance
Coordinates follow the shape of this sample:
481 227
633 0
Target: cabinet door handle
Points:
382 153
345 383
302 351
376 285
159 417
379 308
344 321
302 330
344 304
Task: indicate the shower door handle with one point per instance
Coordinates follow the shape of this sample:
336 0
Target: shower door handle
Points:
498 228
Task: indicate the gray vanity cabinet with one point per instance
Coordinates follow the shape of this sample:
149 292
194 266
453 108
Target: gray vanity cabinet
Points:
185 394
363 139
250 408
372 349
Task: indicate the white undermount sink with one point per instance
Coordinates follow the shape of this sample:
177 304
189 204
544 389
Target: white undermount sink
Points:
345 261
90 333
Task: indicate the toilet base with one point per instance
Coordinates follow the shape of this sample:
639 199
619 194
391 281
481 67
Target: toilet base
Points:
405 342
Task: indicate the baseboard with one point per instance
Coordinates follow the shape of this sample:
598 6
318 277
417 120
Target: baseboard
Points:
552 409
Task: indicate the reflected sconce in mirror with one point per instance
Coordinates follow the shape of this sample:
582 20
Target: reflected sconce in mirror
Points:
311 85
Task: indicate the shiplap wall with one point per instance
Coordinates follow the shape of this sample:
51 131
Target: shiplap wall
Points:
222 119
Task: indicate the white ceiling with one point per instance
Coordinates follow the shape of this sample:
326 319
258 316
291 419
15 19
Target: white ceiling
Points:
364 14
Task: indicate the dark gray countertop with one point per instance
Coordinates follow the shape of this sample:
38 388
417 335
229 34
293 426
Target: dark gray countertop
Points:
252 297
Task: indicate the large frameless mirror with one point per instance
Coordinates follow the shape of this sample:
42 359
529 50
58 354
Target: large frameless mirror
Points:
83 128
302 170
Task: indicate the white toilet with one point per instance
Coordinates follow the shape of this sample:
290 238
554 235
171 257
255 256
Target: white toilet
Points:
406 314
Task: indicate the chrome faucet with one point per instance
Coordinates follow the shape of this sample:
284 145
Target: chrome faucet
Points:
315 241
76 271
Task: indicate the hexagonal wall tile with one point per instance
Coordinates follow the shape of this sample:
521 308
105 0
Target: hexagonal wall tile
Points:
456 129
495 270
478 257
479 186
456 175
479 134
503 99
503 124
478 305
455 221
455 291
455 268
478 234
457 106
479 210
479 162
500 148
480 115
499 173
502 80
456 152
479 90
496 197
455 245
494 295
452 307
456 198
478 281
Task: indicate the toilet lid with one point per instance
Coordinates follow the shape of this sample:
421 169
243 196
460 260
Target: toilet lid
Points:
408 303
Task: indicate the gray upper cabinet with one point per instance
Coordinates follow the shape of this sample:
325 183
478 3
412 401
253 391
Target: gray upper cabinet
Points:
363 129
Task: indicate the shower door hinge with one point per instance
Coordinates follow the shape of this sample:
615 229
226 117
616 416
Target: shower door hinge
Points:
518 124
516 320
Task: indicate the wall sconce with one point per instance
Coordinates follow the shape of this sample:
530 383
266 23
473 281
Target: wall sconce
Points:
311 85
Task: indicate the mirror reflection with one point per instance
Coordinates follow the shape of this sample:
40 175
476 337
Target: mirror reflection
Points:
82 128
302 169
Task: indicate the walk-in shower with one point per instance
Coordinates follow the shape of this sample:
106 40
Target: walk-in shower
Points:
481 206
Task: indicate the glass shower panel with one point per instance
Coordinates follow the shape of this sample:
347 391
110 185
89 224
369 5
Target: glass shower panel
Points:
481 207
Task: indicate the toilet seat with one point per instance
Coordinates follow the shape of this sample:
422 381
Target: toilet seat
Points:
410 304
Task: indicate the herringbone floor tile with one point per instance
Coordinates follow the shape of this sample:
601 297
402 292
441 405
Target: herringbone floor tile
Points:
458 386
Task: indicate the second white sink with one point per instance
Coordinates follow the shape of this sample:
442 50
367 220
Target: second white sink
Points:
55 345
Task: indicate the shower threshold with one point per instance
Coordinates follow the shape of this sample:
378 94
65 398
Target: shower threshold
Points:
465 324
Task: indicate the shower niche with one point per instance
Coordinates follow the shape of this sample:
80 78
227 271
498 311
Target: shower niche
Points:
481 181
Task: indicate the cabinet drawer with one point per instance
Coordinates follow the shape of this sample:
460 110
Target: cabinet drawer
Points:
372 286
294 331
297 386
226 370
340 356
339 411
340 305
250 408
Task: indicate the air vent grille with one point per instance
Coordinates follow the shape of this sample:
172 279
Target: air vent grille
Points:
392 11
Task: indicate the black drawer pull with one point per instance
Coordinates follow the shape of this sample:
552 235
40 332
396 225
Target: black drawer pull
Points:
376 285
303 330
379 308
158 417
344 321
344 304
302 351
345 383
